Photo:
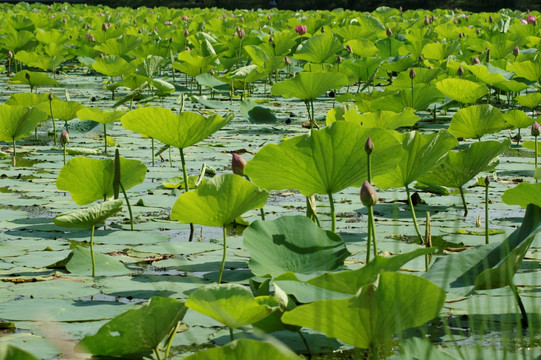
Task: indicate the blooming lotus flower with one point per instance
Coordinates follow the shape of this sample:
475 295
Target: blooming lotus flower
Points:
523 22
301 29
531 19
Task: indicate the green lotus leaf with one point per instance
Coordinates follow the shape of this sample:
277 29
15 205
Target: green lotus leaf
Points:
112 65
18 121
375 313
319 49
439 51
526 69
231 304
218 201
88 180
27 99
362 47
31 78
531 145
39 60
179 131
490 74
382 119
518 119
309 85
255 113
137 330
423 96
420 153
120 46
461 90
149 66
97 115
17 39
523 194
90 216
163 87
62 110
328 161
210 81
423 76
476 121
292 243
193 64
531 100
10 352
242 349
459 167
79 262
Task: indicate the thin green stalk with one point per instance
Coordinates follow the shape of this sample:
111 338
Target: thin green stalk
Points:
54 123
262 212
186 186
92 251
128 204
309 115
157 352
412 210
412 94
14 160
105 137
369 168
368 238
305 343
64 146
313 113
169 340
333 214
428 240
463 201
231 336
535 156
524 320
152 152
373 229
170 160
223 256
486 214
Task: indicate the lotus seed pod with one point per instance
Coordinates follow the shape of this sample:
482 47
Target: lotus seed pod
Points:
369 197
237 164
536 129
64 137
369 146
389 32
460 71
412 74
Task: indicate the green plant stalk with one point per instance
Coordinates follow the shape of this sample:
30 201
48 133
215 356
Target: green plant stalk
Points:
486 214
368 238
186 186
231 336
428 239
463 201
105 137
262 212
64 146
128 204
369 168
54 123
92 251
14 160
412 210
524 320
157 352
170 160
372 229
535 156
169 340
305 343
152 151
412 94
333 214
222 266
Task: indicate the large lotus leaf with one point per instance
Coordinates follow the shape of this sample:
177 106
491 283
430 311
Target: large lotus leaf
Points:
193 64
179 131
376 313
120 46
383 119
362 47
518 119
309 85
523 194
210 81
457 272
526 69
112 65
31 78
439 51
27 99
420 153
39 60
17 121
461 90
79 262
135 331
423 96
149 66
88 180
423 76
218 201
343 284
255 113
529 100
10 352
97 115
292 243
62 110
459 167
490 74
90 216
231 304
476 121
163 86
319 49
243 349
511 86
328 161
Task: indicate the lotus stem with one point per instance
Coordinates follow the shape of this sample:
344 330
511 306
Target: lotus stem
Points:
305 343
524 320
186 185
14 161
463 201
170 160
535 156
169 340
368 238
92 251
54 123
128 204
428 240
309 115
153 152
311 209
333 214
262 212
486 212
412 210
313 113
372 229
222 266
64 146
157 352
231 336
105 137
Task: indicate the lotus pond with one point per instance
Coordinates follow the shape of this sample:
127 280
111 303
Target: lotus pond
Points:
209 184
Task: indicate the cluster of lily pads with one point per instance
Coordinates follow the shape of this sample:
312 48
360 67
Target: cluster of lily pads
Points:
385 73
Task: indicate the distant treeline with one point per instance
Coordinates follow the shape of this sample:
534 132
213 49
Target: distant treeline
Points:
359 5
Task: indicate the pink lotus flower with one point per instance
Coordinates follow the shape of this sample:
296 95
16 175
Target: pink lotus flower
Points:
523 22
301 29
101 14
184 18
168 22
531 19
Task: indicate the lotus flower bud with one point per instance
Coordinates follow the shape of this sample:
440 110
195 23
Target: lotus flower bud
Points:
400 9
271 39
460 71
421 58
101 56
515 50
287 61
531 19
134 21
64 137
490 19
487 180
186 32
389 32
476 61
241 33
461 35
536 129
301 29
241 19
64 20
211 72
104 27
322 29
369 197
184 18
140 31
338 59
412 74
368 145
523 22
187 48
27 76
10 54
349 49
427 20
51 96
237 164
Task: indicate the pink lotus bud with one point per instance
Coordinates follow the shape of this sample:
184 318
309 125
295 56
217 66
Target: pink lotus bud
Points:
420 58
461 35
101 15
389 32
301 29
187 48
211 72
460 71
64 20
369 197
427 20
64 137
515 50
271 39
27 76
368 145
134 21
104 27
531 19
171 39
51 96
536 129
487 180
412 74
287 61
101 56
241 19
478 31
10 54
490 19
338 59
241 33
184 18
237 164
140 31
476 61
523 22
186 32
349 49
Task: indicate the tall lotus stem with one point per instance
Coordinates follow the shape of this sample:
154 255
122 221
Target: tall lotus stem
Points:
428 240
536 130
105 137
128 204
487 181
412 210
186 187
14 160
369 198
92 251
412 76
524 320
222 266
52 116
333 214
368 148
152 151
463 201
